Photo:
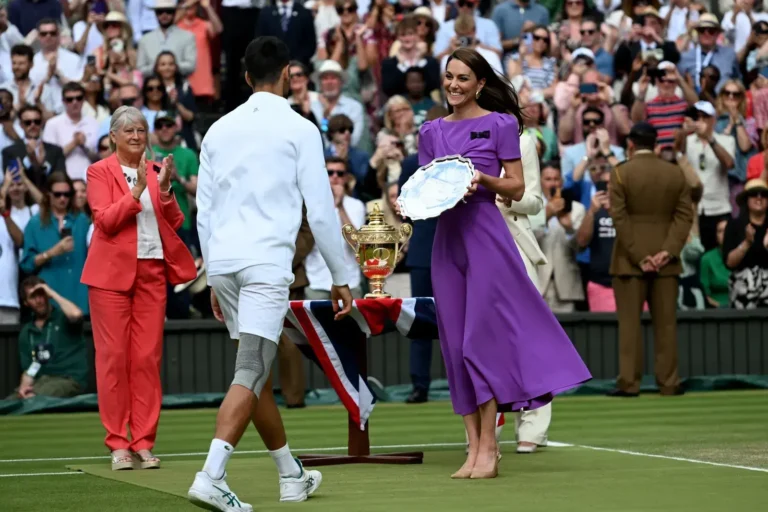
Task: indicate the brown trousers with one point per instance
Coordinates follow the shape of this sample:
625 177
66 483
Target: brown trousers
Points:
290 362
661 294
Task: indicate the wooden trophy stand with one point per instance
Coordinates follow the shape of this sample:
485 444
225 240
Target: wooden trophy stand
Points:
358 442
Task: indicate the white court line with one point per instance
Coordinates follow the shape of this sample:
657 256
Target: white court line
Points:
669 457
44 474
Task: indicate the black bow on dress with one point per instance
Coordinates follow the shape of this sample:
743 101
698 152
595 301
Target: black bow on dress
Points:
480 135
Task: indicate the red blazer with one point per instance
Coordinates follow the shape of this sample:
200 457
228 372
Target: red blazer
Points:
112 256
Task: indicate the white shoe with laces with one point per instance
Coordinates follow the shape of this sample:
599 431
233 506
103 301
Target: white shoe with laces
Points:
212 494
302 487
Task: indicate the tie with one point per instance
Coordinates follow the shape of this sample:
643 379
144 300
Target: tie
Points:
286 16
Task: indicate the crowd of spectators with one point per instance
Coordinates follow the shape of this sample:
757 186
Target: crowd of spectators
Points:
368 73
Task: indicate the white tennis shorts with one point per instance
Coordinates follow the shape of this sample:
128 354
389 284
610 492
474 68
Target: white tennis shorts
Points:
254 300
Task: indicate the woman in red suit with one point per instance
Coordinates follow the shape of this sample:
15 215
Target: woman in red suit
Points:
134 252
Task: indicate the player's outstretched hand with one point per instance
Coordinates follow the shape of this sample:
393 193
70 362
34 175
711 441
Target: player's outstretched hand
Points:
341 293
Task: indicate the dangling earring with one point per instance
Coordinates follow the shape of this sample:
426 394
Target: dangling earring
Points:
477 94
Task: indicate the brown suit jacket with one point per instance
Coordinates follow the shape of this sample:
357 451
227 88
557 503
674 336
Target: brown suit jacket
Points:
652 212
304 243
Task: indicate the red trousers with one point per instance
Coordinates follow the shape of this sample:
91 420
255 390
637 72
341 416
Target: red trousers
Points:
128 338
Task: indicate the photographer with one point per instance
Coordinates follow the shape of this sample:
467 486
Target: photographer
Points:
559 278
51 346
466 37
650 42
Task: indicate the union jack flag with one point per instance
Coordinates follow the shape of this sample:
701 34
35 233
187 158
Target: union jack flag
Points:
331 344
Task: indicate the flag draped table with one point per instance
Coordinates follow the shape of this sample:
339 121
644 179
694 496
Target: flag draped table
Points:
339 348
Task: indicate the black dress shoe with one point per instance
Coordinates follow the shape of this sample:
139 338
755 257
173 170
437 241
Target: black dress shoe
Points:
417 396
296 406
621 393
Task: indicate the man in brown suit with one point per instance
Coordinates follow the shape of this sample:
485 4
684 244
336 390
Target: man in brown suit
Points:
652 213
290 359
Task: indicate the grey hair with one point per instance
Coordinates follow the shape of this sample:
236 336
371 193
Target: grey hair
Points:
125 115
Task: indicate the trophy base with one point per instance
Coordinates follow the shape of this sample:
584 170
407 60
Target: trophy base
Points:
378 295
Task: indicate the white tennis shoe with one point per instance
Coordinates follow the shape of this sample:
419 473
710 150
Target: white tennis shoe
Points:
213 494
302 487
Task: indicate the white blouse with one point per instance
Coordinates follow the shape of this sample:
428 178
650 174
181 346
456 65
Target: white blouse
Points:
149 244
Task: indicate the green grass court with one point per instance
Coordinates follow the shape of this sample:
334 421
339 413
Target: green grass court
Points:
699 452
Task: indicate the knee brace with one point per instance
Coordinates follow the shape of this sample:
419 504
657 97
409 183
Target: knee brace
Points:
255 356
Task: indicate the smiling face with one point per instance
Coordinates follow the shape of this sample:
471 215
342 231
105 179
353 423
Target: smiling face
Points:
731 95
130 139
166 67
540 41
461 84
330 85
757 202
708 35
589 33
574 8
154 90
80 196
298 79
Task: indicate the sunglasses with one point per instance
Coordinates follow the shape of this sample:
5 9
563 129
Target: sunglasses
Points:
300 74
128 101
154 88
711 76
588 32
732 94
541 38
103 148
345 10
70 99
112 24
59 195
339 174
465 3
52 33
592 122
345 129
709 31
759 194
30 122
165 124
160 12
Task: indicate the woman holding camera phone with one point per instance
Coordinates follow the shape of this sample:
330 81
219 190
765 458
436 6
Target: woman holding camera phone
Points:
55 241
134 252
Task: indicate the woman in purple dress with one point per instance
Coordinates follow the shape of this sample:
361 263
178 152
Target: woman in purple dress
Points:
503 348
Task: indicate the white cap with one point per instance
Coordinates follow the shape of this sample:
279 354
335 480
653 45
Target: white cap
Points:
582 52
615 18
665 64
705 107
330 66
535 98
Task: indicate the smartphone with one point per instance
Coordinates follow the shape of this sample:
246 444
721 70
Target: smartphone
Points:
13 166
91 60
567 196
528 39
601 186
668 154
65 232
588 89
99 7
656 73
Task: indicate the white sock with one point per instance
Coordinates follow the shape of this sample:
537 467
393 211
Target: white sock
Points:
286 464
218 456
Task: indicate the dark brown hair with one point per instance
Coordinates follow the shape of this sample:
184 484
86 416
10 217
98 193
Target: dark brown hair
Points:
45 204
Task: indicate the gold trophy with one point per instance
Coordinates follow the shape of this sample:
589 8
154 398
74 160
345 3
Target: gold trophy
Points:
377 247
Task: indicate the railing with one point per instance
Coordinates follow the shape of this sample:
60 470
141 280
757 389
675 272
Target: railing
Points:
199 357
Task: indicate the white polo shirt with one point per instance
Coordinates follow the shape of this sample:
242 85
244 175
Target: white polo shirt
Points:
60 130
716 198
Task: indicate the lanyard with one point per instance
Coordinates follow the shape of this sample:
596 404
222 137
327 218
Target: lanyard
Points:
701 65
47 333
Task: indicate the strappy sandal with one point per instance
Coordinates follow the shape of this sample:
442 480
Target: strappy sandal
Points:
121 462
147 461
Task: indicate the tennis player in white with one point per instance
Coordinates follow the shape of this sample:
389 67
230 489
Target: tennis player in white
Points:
258 165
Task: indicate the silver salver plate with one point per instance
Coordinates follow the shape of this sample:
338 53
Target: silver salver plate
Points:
436 187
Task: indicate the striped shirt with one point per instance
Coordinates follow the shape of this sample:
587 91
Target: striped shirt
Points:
666 115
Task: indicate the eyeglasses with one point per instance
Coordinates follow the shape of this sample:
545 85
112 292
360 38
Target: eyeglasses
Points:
70 99
592 122
588 32
51 33
732 94
59 195
339 174
128 101
345 10
30 122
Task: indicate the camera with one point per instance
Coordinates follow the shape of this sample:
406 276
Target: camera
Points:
465 41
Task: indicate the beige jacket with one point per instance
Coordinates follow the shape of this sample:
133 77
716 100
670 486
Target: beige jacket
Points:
517 215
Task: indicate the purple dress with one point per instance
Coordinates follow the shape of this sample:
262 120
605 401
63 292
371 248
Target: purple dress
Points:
498 337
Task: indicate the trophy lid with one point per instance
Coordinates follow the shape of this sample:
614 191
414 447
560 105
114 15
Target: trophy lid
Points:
376 222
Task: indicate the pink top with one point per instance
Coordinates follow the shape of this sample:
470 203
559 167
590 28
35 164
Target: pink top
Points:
201 79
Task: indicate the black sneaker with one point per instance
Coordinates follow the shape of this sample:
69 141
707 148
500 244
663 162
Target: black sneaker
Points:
417 396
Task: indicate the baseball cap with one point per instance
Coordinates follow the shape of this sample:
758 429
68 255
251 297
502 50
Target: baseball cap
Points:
585 53
164 116
705 107
665 64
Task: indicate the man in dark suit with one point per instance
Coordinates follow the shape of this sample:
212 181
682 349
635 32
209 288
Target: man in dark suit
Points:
651 38
652 213
419 262
38 158
290 359
293 24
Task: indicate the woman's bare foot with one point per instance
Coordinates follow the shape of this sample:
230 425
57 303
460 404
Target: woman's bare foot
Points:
466 470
